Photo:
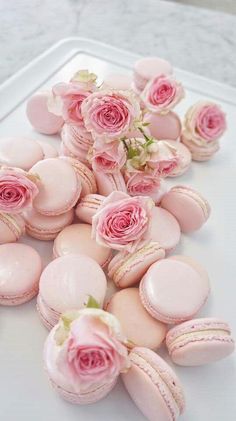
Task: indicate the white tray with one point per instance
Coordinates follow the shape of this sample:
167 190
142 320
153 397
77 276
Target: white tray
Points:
211 390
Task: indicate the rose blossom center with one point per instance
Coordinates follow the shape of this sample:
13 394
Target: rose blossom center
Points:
111 114
91 360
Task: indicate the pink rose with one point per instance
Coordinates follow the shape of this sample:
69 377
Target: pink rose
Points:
108 157
17 190
145 183
84 80
162 94
204 122
110 114
122 222
67 100
92 351
164 159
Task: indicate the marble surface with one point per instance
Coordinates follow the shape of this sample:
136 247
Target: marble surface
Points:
199 40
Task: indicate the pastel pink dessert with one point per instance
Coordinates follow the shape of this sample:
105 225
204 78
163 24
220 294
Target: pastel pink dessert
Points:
88 206
48 150
173 291
77 239
164 229
84 355
153 386
164 126
44 227
85 175
119 81
184 158
21 267
204 124
188 206
40 117
200 341
147 68
66 284
107 183
12 227
138 326
76 142
127 269
20 152
59 188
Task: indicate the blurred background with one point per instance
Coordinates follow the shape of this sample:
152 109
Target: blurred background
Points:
195 35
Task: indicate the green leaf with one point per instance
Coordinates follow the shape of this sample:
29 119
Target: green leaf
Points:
92 303
146 124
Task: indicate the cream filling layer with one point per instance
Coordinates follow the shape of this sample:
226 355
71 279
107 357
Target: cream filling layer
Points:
199 333
11 221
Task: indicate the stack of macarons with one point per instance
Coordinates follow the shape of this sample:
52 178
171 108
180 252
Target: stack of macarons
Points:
96 336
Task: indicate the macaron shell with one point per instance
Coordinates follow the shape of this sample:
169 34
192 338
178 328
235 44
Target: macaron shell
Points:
164 126
138 326
77 239
21 267
188 207
59 187
107 183
85 175
164 229
67 282
203 152
117 81
11 228
20 152
173 291
48 150
39 116
88 206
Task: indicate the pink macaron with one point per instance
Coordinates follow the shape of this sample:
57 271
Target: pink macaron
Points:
21 268
59 187
66 284
164 126
184 158
86 176
147 68
109 182
11 227
164 229
173 291
119 81
40 117
138 326
20 152
44 227
88 206
188 206
153 386
76 142
48 150
202 152
127 269
200 341
77 239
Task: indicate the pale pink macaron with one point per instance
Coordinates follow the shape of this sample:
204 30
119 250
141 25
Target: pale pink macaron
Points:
20 152
40 117
119 81
154 386
127 269
76 142
138 326
63 384
48 150
164 126
202 152
109 182
173 291
77 239
164 229
59 186
12 227
184 158
200 341
147 68
86 176
88 206
188 206
66 284
21 268
44 227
